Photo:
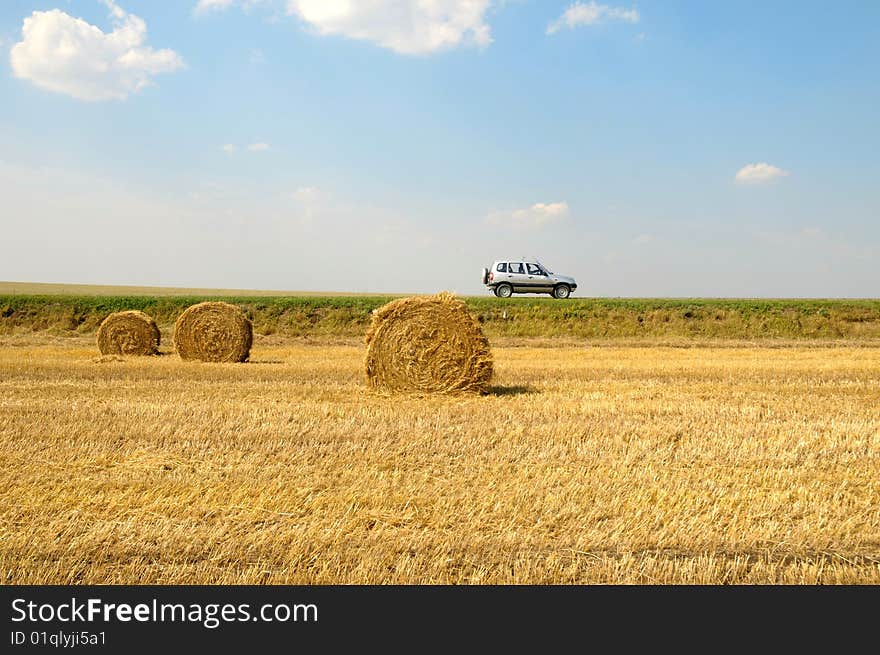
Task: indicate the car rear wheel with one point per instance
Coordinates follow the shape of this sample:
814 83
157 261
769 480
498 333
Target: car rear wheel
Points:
561 291
504 291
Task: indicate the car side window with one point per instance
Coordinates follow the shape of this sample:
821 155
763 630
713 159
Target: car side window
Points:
502 267
515 267
534 269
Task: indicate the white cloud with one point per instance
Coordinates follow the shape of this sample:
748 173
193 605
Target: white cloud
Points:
67 55
205 6
759 173
536 216
253 147
209 6
644 239
411 27
591 13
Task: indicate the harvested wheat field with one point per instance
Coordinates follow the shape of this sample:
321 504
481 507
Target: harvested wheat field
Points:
582 465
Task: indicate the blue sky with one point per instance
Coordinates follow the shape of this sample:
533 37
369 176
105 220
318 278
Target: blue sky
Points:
648 149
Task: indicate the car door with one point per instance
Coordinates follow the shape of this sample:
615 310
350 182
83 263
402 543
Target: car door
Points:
537 278
500 273
516 275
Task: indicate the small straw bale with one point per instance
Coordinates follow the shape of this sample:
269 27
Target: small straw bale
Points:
213 332
428 344
128 333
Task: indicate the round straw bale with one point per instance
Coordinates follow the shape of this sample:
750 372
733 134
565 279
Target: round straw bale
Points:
128 333
213 332
427 344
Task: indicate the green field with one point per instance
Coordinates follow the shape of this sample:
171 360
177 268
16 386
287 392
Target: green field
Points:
527 317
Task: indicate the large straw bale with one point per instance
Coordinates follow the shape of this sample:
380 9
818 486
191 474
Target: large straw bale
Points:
428 344
213 332
128 333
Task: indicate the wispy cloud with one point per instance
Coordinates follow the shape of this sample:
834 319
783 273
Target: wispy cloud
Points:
591 13
537 216
231 148
205 6
209 6
307 195
760 173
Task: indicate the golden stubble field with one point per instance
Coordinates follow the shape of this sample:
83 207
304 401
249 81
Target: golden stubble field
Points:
603 464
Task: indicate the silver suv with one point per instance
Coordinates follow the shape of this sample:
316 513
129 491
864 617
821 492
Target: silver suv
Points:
519 276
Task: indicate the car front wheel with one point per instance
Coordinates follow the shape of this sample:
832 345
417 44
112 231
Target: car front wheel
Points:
561 291
504 291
